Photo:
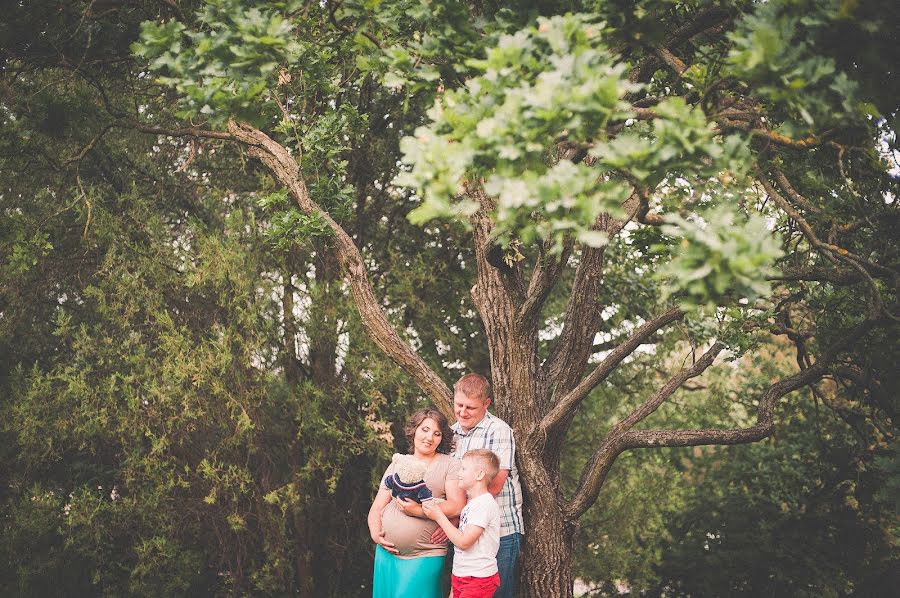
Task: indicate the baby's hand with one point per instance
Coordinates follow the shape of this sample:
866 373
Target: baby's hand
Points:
432 511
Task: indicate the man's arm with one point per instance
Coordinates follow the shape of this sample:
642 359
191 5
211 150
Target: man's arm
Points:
497 484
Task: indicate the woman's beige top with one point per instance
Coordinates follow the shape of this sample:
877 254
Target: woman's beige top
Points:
412 535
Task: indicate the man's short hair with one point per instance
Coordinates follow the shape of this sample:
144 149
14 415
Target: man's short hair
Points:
489 461
474 386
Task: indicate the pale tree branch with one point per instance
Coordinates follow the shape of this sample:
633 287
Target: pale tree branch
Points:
566 406
180 132
89 147
285 168
707 20
792 193
805 143
613 445
672 61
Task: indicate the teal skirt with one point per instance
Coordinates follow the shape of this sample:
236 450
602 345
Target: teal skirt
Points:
406 578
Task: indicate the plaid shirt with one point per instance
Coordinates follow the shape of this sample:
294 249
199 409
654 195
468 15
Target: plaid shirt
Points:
493 433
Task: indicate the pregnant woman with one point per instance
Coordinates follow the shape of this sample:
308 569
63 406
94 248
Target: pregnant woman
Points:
407 563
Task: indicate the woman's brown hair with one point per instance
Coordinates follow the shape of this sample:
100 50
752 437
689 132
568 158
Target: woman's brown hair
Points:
416 419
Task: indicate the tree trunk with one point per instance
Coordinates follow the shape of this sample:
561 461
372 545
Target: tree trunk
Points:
549 548
323 320
290 361
520 390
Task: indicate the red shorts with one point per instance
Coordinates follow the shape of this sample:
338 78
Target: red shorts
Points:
475 587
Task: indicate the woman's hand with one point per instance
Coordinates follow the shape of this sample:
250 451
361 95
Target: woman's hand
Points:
410 507
382 500
379 539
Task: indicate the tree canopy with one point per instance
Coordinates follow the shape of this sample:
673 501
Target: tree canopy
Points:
242 240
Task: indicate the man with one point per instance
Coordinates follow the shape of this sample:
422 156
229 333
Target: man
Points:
475 428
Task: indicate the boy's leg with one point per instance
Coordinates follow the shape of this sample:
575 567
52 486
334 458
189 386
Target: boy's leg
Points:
508 564
446 587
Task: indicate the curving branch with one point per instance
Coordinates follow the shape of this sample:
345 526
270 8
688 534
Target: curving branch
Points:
614 444
89 147
595 470
707 20
566 406
798 199
837 276
285 168
832 252
182 132
643 215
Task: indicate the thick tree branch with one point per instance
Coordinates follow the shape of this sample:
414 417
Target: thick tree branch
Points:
595 470
564 408
706 20
598 467
509 276
182 132
643 214
582 318
673 62
286 170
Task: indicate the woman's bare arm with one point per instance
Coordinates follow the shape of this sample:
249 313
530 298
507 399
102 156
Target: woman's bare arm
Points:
382 499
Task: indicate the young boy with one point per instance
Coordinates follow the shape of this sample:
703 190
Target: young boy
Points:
477 540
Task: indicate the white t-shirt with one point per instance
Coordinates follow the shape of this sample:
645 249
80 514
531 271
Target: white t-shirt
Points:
480 559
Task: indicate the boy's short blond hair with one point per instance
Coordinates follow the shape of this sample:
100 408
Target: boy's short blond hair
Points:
489 461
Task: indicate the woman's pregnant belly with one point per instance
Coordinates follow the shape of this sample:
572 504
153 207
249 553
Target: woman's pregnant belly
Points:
410 535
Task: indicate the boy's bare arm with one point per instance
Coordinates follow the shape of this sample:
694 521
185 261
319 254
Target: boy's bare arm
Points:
462 540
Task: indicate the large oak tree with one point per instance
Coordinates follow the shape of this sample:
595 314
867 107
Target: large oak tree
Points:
737 156
553 140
